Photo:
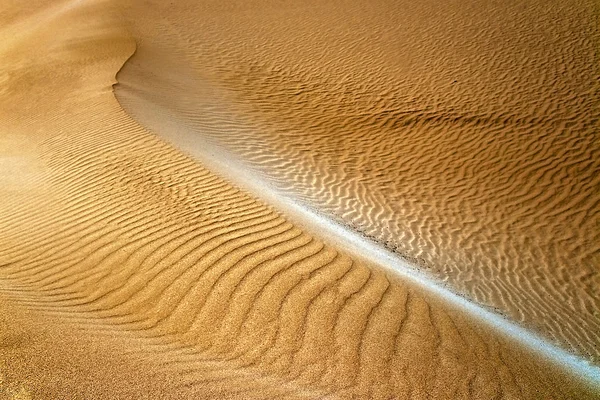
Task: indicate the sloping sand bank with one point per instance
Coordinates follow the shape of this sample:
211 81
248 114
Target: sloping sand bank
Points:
462 135
129 270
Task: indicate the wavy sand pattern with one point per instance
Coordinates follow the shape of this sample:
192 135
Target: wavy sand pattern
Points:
130 270
461 135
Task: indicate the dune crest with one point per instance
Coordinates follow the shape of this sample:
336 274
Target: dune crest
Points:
128 269
462 135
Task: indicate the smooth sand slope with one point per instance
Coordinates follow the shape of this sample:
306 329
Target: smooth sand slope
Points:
129 270
463 135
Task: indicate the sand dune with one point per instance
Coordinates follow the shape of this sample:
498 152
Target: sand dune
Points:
462 135
130 270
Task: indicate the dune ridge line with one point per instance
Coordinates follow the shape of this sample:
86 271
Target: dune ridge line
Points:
225 164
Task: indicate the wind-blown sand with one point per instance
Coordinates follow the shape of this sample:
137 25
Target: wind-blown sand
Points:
130 269
462 135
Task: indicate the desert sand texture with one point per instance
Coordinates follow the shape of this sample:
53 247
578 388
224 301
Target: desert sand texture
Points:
129 269
462 135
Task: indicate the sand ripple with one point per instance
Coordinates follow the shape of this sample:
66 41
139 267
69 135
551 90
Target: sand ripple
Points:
461 136
125 262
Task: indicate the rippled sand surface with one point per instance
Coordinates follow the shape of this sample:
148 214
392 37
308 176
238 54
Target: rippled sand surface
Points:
129 269
463 135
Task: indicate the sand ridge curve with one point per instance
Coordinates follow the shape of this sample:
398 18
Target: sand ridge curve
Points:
137 250
462 135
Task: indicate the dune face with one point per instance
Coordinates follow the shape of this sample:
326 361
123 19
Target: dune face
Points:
461 135
128 269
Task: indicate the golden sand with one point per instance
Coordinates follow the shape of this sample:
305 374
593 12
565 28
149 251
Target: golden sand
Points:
461 135
131 270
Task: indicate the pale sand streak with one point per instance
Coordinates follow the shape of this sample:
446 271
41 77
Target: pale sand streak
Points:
461 134
123 262
360 247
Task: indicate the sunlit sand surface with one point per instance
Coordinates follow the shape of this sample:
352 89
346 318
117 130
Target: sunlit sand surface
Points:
261 199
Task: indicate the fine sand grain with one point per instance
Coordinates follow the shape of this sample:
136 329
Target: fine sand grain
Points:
462 135
131 270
